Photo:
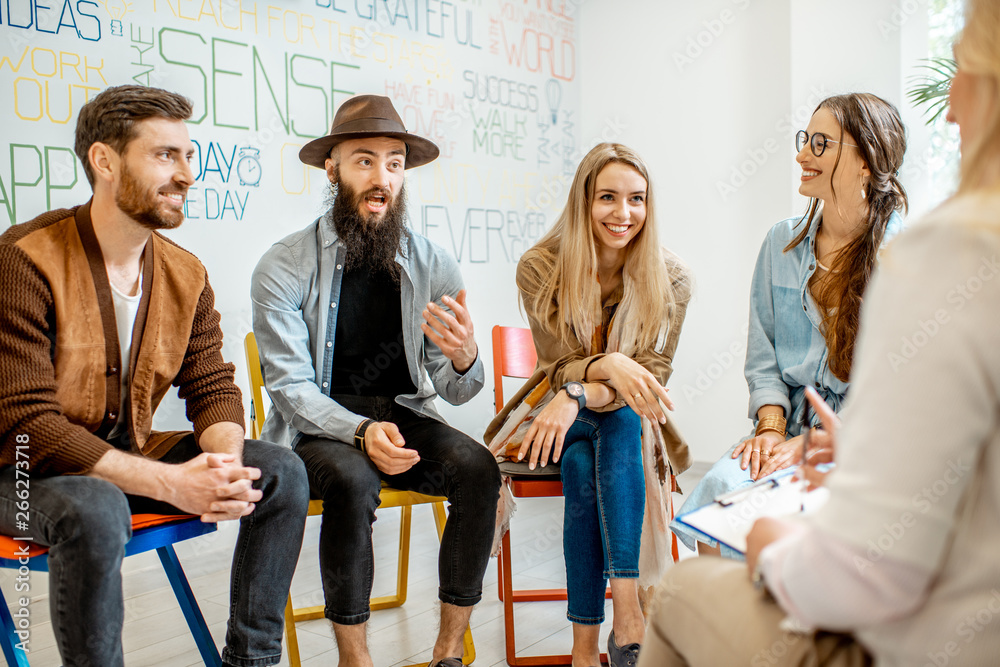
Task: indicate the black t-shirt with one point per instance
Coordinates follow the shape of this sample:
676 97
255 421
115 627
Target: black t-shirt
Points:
369 358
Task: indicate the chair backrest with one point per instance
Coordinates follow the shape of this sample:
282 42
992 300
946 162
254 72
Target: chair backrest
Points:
513 356
256 383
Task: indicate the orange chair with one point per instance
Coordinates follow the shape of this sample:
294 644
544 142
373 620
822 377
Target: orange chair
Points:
514 356
149 531
388 497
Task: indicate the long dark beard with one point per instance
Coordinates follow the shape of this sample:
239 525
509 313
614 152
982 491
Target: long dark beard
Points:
370 242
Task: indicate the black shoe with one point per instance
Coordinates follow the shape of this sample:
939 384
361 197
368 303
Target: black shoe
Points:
446 662
622 656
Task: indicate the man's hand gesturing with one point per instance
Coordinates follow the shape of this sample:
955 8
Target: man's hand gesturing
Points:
452 332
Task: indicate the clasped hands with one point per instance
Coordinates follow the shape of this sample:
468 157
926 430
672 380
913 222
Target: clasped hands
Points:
218 487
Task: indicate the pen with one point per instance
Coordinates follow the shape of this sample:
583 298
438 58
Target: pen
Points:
805 447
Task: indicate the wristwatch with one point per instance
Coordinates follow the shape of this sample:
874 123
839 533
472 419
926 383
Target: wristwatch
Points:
575 390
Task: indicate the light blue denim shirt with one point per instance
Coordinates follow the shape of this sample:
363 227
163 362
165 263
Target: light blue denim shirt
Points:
295 289
786 350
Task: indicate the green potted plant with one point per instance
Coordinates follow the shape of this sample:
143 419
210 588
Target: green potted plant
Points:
931 87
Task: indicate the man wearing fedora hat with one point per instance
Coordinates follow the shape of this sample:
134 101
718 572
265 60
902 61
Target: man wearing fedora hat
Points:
361 323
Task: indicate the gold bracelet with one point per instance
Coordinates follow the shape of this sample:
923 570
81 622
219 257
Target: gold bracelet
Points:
771 423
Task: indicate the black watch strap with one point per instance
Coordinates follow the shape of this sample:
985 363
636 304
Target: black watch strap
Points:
575 390
359 435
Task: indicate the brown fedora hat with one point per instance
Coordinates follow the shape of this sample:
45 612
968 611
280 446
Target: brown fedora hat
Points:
368 116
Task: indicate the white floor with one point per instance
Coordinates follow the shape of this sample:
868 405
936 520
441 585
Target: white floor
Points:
155 632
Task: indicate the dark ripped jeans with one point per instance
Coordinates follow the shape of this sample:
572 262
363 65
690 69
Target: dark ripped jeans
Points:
451 464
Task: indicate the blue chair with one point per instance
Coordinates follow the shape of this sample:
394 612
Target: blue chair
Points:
150 531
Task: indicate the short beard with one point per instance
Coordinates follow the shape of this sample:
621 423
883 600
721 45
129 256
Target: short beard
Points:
371 243
143 206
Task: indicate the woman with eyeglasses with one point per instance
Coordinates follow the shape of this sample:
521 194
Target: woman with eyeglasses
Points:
899 568
807 289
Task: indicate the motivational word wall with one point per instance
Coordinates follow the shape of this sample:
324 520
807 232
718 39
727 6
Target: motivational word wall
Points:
492 82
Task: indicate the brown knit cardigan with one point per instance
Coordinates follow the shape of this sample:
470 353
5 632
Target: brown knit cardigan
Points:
60 366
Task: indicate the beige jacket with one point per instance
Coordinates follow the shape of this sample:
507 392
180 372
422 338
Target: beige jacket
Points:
561 365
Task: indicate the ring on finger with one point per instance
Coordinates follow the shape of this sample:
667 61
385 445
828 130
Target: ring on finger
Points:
637 396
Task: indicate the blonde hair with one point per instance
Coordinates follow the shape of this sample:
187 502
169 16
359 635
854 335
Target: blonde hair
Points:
642 320
978 53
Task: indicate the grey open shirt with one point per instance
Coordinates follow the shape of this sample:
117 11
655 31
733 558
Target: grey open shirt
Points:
295 291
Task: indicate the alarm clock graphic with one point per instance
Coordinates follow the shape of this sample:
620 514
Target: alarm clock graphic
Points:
248 166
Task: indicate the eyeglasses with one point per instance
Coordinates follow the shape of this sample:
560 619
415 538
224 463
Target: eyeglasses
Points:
817 142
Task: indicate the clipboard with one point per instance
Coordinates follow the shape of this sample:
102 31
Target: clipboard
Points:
730 516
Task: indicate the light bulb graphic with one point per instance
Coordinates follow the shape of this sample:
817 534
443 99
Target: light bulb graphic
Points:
553 94
116 9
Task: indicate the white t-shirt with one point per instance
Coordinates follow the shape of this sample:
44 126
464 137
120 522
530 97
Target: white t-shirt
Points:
126 309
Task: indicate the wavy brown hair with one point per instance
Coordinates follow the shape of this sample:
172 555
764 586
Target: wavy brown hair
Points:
112 116
881 139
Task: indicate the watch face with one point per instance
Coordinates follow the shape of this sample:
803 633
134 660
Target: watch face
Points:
575 389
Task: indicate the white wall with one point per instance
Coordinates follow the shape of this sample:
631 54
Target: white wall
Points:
711 94
266 77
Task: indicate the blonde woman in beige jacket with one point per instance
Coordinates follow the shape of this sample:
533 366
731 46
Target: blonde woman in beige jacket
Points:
605 303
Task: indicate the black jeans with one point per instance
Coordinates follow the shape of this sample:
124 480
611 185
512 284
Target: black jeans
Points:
451 464
87 521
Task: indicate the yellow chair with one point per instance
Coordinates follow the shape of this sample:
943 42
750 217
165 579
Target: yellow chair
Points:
389 498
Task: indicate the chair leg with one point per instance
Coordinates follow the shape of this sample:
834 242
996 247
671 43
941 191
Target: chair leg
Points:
291 637
499 578
189 605
16 657
509 597
468 647
402 566
440 519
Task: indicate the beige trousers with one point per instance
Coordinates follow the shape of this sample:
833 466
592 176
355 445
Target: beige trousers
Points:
706 613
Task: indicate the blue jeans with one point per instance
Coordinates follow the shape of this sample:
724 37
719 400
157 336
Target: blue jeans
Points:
451 464
605 493
87 521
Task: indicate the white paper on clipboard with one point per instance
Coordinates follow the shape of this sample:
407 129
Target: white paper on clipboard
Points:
731 516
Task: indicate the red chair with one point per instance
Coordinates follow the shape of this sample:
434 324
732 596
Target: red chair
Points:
150 531
514 356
